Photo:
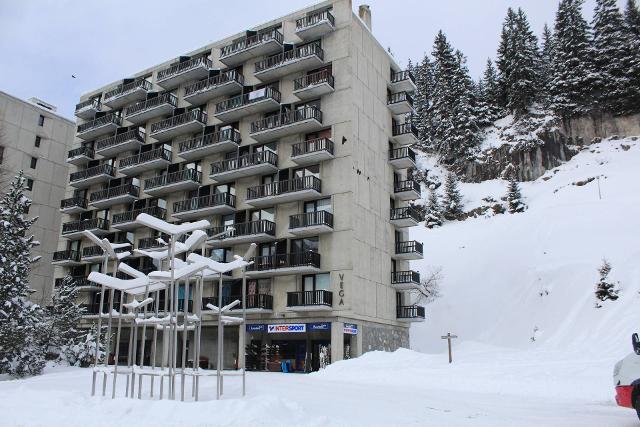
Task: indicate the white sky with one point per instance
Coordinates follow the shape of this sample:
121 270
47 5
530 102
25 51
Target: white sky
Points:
44 42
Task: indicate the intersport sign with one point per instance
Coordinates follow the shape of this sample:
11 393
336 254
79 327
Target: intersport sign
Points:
287 328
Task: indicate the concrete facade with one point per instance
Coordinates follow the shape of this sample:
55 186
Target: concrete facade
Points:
349 273
19 128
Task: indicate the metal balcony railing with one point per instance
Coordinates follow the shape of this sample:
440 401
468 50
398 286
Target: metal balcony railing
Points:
93 171
245 161
94 308
210 139
311 219
402 75
407 185
66 255
289 56
149 243
410 312
110 193
254 301
282 187
405 277
172 178
313 19
165 98
294 116
406 212
89 103
313 79
297 259
211 82
131 216
248 98
92 251
81 151
306 298
312 146
403 129
77 281
134 134
157 154
395 98
181 67
85 224
250 41
73 202
245 229
409 247
401 153
123 89
178 120
100 121
196 203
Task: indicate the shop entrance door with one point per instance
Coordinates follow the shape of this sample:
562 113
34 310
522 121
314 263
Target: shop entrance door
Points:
317 348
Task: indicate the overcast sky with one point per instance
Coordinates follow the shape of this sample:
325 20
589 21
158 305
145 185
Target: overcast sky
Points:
44 42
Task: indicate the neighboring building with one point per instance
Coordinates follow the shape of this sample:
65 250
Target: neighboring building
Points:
34 139
296 133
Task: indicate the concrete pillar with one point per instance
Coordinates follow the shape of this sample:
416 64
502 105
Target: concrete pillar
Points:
358 342
337 342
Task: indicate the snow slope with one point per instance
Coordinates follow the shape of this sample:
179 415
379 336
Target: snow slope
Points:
508 278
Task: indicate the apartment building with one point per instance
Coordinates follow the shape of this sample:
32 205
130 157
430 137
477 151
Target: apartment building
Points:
35 139
297 134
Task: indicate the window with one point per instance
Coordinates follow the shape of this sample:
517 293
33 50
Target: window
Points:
38 140
1 154
318 282
318 205
304 245
41 120
34 162
29 184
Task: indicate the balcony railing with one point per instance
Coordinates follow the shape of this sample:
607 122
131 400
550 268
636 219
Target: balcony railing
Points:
196 203
113 192
211 82
254 301
311 219
250 41
172 178
314 79
180 119
311 20
149 243
248 98
88 104
81 151
93 171
165 98
312 146
283 187
405 277
402 75
310 298
77 280
245 161
245 229
298 259
66 255
401 153
294 116
408 185
85 224
126 88
92 251
94 308
131 216
403 129
157 154
73 202
290 56
410 312
181 67
198 142
100 121
409 247
130 135
395 98
406 212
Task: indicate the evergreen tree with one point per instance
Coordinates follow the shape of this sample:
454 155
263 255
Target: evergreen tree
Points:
605 290
433 213
504 54
64 317
514 197
21 351
546 65
491 91
423 73
482 108
616 60
82 351
452 201
632 18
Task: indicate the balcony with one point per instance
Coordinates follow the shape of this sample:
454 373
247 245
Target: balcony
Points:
404 217
410 313
256 303
80 156
73 230
158 106
312 151
245 232
400 103
292 61
303 120
201 146
406 190
305 188
285 264
94 175
402 158
73 205
114 196
93 309
403 81
196 207
259 101
309 300
80 282
98 127
175 75
311 223
260 163
184 180
189 122
93 253
113 145
126 93
405 280
315 25
263 43
404 134
66 257
409 250
87 109
313 86
126 221
223 84
149 160
150 243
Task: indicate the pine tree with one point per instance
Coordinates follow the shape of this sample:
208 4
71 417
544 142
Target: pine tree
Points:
616 60
482 109
491 91
605 290
423 73
514 197
82 351
433 213
64 317
452 201
21 351
546 65
632 18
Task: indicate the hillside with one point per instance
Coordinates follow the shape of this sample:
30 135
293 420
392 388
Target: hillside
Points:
511 278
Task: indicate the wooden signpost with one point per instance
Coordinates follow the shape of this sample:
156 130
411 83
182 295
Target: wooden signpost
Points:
449 337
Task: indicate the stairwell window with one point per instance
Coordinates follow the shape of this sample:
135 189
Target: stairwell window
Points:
29 184
41 120
34 162
37 142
